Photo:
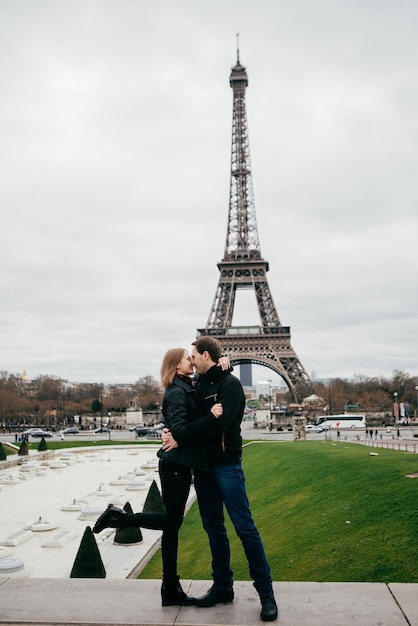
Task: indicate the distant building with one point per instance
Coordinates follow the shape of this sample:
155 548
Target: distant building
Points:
246 374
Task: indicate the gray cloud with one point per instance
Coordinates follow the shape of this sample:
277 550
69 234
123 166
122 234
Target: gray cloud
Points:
115 120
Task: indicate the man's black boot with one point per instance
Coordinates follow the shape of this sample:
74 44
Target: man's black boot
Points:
268 609
111 518
172 594
216 596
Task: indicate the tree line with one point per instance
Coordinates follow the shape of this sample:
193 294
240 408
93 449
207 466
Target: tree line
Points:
53 400
370 394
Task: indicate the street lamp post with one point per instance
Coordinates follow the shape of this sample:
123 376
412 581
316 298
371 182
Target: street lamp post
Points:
101 405
395 407
416 410
270 424
63 407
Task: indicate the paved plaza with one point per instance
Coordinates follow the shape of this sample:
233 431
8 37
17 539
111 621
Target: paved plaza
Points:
48 502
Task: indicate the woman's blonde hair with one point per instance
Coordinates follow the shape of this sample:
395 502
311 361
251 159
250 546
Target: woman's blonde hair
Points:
169 365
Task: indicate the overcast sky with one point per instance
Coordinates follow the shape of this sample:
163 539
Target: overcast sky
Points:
115 126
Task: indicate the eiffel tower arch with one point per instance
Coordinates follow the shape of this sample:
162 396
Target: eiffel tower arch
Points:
243 267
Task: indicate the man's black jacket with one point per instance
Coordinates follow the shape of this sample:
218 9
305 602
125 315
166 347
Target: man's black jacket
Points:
221 436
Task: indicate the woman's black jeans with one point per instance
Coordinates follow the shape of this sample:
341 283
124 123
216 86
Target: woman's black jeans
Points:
175 488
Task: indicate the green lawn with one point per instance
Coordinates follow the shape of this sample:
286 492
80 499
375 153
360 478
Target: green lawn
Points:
302 497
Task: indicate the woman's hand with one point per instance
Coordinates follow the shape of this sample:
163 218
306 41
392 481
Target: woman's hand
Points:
217 410
224 363
168 441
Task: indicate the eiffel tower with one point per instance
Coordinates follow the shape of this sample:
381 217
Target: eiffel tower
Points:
243 267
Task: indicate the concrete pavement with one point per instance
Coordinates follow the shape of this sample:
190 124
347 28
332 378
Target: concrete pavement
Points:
85 602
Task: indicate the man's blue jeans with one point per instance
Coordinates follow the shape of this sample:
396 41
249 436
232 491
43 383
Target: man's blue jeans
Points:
225 485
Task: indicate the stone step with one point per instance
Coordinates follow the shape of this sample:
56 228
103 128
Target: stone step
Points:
84 602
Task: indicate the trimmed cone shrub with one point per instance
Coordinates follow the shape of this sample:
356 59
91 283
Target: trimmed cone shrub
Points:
128 536
153 501
24 449
88 562
2 452
42 445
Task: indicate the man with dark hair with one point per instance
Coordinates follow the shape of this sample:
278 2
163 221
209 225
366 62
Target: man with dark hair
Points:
209 344
224 483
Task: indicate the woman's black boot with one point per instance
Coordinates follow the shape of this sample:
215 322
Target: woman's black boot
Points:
172 594
111 518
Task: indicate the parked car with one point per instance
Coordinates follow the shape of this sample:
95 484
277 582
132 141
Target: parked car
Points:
40 433
141 431
101 429
70 431
153 432
29 431
311 428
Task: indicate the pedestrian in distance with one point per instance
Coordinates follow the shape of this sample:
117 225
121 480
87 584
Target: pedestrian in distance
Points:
224 484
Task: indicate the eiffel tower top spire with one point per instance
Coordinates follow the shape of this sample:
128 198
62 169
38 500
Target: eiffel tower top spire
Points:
242 234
